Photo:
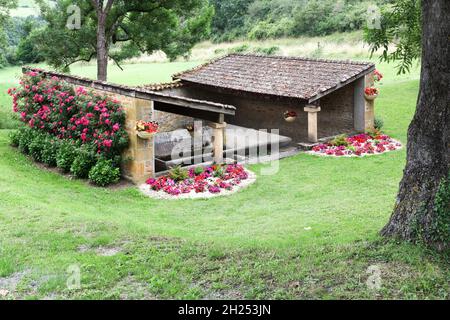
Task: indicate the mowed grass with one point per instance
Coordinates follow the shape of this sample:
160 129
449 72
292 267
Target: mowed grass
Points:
309 231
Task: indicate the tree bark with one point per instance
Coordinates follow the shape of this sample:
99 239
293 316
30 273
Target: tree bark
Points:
428 154
102 48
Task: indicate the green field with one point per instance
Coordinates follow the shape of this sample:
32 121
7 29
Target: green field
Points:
310 231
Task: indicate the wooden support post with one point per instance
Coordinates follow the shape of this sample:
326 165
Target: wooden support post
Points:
218 137
312 122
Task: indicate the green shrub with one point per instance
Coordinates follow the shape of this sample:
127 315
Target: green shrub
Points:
26 137
269 51
340 141
14 138
378 123
178 174
50 150
239 49
83 162
37 146
66 155
104 173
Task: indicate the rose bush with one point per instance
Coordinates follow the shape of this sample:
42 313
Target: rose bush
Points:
63 122
54 106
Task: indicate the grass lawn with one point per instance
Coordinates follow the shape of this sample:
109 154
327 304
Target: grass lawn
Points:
310 231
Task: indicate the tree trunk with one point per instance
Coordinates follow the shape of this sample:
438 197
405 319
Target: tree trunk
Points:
102 49
428 158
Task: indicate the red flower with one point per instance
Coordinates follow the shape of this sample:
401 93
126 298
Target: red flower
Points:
371 91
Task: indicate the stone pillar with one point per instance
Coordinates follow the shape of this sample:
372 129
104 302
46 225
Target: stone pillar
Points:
218 138
369 114
312 122
359 107
139 160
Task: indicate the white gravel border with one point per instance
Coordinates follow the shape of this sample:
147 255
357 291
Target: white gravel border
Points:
313 153
161 195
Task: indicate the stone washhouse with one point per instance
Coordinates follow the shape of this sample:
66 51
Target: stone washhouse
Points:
324 98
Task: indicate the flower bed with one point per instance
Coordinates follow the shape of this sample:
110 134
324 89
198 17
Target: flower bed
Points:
199 182
358 145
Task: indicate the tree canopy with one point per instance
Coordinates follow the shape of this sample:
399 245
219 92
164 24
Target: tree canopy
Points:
130 27
399 35
5 6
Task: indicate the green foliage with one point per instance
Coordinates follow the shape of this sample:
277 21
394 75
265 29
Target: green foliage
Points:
84 161
26 51
319 17
378 123
440 229
218 171
66 155
178 174
14 138
37 146
269 19
198 170
340 141
5 6
271 30
26 137
400 24
104 173
133 27
50 150
229 19
269 51
240 49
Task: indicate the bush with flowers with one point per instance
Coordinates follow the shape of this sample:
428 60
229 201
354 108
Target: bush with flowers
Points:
358 145
74 116
214 180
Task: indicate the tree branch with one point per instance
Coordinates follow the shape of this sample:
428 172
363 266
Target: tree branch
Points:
95 3
108 7
81 59
116 62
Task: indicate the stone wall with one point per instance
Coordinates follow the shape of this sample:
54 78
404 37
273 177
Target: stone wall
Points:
138 160
336 116
171 122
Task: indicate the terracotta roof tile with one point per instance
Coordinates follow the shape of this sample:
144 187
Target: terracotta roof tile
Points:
291 77
161 86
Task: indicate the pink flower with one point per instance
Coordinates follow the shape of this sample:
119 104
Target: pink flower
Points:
107 143
116 127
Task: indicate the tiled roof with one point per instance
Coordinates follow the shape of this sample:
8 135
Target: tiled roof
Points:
307 79
161 86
